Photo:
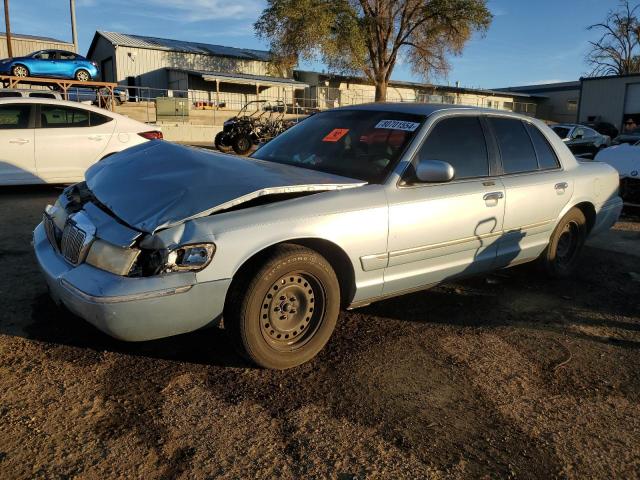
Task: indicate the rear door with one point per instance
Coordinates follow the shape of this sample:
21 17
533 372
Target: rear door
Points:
537 189
17 164
67 63
68 140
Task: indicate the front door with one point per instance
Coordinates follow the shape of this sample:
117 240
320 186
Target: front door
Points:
17 164
442 231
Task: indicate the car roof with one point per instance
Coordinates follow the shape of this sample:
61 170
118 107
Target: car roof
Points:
427 109
53 101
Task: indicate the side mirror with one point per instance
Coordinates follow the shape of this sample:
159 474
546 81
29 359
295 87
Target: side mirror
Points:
434 171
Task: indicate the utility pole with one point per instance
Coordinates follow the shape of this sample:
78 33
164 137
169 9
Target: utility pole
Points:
7 28
72 6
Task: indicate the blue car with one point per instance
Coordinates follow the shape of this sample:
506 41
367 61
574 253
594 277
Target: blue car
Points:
51 63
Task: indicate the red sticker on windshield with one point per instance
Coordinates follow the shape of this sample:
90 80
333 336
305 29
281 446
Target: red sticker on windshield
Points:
335 135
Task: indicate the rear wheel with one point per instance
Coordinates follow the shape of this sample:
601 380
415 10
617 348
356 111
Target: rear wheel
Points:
241 144
20 71
561 255
282 313
82 76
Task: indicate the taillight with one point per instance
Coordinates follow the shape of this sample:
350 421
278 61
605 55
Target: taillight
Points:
152 135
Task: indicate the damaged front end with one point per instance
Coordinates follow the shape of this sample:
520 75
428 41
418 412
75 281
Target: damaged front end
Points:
81 229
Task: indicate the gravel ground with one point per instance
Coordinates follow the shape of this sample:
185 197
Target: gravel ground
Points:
496 377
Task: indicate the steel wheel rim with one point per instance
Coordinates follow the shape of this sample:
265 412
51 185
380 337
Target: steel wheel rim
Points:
567 243
292 311
82 76
20 71
244 144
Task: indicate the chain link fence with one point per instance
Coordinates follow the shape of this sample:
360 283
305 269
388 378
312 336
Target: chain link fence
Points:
210 108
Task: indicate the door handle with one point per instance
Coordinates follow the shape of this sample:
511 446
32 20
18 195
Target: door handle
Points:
19 141
561 186
96 138
493 196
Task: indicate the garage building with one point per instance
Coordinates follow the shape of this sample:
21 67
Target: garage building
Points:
207 72
612 99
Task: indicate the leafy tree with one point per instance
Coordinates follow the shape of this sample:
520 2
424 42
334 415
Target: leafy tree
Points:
616 52
369 36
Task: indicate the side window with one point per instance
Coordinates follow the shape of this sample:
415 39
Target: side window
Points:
579 133
67 55
547 158
96 119
44 55
459 141
14 116
9 94
54 116
515 145
42 95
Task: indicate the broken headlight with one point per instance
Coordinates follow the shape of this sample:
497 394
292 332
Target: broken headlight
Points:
190 257
111 258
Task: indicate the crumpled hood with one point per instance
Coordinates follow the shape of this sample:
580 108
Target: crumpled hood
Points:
159 184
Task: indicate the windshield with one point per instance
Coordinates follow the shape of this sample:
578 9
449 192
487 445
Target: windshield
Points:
360 144
563 132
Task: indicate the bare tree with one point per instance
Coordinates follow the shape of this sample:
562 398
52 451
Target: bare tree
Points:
369 36
617 50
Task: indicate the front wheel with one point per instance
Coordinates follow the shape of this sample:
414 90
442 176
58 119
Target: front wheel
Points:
561 255
282 313
82 76
220 142
241 144
20 71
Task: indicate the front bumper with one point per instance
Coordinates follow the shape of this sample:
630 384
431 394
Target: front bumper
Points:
131 309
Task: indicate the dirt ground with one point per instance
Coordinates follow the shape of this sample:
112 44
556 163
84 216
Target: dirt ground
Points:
505 376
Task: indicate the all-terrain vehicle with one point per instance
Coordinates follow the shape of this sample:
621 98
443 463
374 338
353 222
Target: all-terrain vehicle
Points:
257 122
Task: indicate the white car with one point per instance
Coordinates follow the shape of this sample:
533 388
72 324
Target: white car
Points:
625 159
55 141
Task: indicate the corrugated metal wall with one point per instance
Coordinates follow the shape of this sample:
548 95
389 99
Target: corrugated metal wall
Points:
149 65
604 98
23 46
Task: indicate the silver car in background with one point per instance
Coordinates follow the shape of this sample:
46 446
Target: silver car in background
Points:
350 206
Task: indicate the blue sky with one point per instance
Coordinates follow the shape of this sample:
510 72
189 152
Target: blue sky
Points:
529 41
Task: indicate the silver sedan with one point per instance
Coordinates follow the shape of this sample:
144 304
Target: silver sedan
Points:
350 206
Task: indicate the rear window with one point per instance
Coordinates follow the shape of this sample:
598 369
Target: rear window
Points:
53 116
359 144
562 132
516 150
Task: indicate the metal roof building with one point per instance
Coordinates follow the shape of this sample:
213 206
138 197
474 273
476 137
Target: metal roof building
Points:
139 60
24 44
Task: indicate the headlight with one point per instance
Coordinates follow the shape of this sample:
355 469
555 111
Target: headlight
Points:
111 258
190 257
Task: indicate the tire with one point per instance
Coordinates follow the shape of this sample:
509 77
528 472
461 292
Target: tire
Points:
82 76
20 71
219 143
561 256
281 313
241 144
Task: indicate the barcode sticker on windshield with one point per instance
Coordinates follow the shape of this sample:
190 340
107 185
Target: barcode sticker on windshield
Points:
398 125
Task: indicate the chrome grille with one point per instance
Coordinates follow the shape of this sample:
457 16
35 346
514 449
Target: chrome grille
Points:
50 229
72 243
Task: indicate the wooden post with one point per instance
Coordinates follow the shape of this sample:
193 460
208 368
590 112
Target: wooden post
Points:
257 91
7 30
217 94
74 34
